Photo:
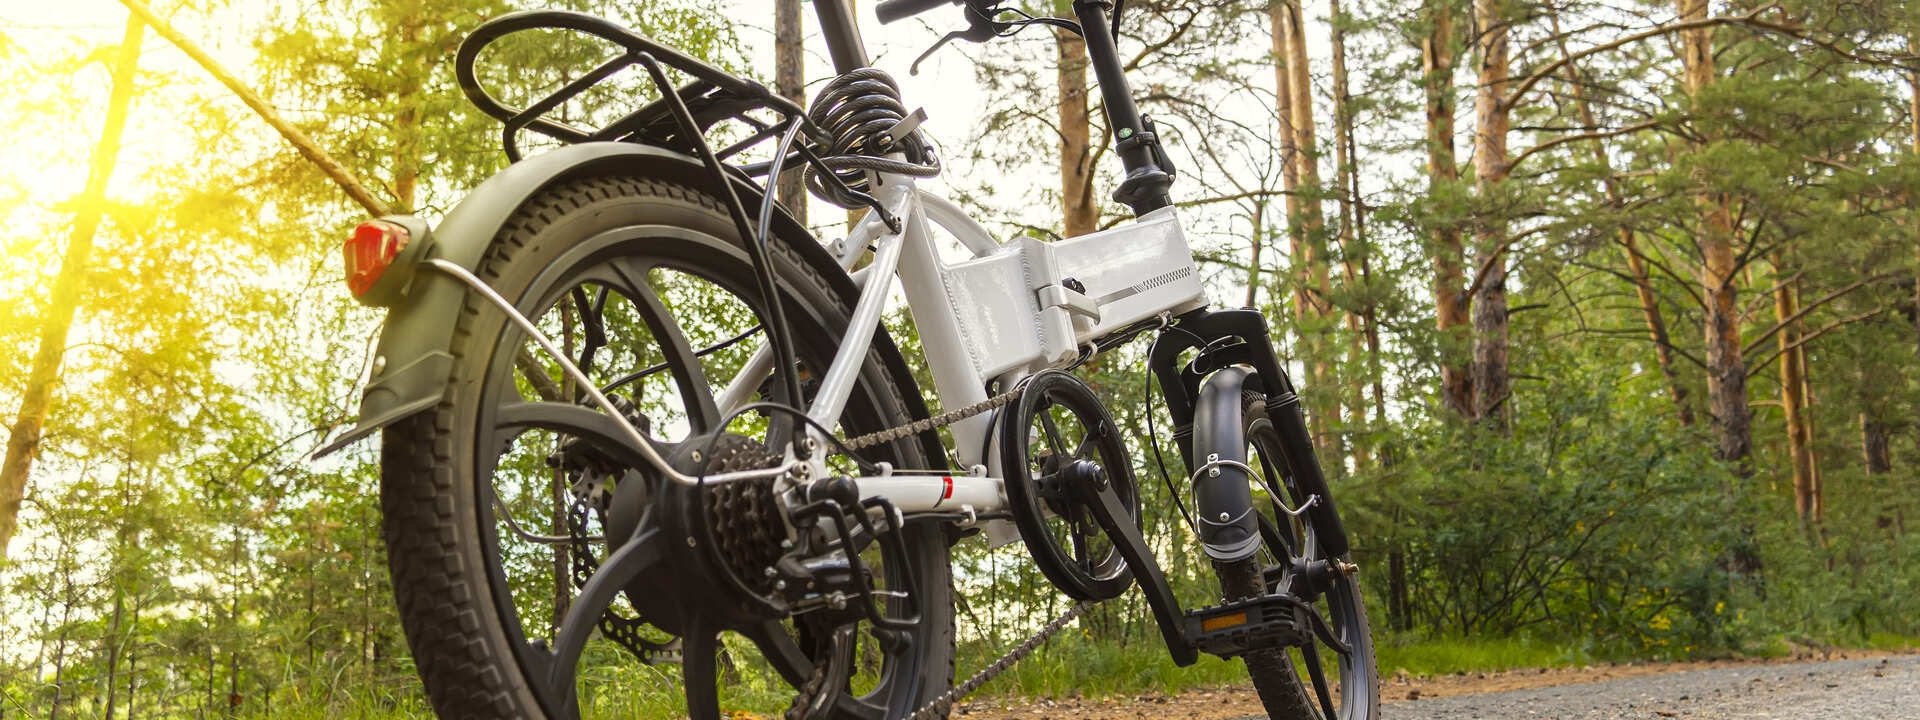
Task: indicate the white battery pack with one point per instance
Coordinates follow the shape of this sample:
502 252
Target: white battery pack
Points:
1034 304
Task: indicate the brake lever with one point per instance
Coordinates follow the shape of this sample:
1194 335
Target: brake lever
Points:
979 29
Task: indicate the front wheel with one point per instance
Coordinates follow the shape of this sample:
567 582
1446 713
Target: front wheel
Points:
1336 685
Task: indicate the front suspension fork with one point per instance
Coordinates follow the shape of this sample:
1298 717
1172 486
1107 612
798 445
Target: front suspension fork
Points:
1205 399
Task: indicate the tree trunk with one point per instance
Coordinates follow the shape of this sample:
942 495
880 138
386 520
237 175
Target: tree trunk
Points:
1876 444
1399 611
63 303
213 673
1629 244
113 651
1492 112
1306 227
1443 172
60 645
234 700
1809 419
1793 405
1726 370
1289 171
406 124
1650 312
133 664
561 561
789 79
1363 349
1913 114
1258 219
1079 213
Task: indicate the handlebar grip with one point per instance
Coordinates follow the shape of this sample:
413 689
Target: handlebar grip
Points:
891 10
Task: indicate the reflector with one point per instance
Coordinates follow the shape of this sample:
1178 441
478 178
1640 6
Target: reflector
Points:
1223 622
370 250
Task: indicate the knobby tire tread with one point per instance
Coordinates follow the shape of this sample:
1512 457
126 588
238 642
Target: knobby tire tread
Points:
1280 688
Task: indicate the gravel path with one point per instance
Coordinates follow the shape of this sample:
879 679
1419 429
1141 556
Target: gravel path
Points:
1865 689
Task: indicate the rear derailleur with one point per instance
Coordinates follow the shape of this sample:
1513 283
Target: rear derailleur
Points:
831 590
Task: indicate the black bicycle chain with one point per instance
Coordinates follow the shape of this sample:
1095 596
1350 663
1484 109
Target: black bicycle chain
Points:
748 527
939 707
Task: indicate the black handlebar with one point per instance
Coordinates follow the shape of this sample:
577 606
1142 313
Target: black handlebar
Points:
891 10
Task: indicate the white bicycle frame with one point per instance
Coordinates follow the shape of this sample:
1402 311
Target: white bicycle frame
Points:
1011 310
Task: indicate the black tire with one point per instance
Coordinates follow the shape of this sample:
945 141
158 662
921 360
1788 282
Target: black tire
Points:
1355 694
454 601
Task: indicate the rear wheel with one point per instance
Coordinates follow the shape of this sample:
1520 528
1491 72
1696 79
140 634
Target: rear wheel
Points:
497 502
1316 680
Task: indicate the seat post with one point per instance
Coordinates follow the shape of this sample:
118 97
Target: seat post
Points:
842 31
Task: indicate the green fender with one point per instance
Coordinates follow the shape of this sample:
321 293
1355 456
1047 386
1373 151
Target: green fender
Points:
414 361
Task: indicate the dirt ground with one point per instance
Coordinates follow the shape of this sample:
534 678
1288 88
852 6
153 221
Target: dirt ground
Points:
1240 702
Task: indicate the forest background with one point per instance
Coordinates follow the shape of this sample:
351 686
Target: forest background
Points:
1605 311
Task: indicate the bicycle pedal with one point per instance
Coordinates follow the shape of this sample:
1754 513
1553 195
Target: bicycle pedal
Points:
1241 626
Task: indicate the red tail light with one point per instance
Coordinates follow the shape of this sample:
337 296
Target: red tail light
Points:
370 251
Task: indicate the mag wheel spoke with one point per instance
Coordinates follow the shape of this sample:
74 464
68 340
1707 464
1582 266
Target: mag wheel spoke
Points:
681 359
600 430
699 652
778 646
1054 443
636 556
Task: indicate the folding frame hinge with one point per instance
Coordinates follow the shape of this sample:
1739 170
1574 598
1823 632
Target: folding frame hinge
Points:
1075 301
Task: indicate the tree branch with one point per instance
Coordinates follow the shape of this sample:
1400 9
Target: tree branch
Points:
1526 84
300 141
1812 306
1810 337
1595 135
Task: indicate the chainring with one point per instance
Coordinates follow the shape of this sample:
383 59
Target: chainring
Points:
1046 486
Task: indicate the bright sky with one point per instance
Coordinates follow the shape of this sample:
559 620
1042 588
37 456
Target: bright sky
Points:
947 87
37 25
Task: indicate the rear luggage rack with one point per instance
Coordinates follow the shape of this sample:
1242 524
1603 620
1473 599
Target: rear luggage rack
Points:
679 121
713 97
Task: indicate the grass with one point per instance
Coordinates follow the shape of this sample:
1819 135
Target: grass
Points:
1075 664
1890 642
1451 655
1078 666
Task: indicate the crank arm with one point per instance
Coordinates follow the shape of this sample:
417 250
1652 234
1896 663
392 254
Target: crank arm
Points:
1125 535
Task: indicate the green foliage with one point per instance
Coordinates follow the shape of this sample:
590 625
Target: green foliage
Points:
1594 519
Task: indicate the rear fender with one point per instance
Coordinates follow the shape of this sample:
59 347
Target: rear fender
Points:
414 360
